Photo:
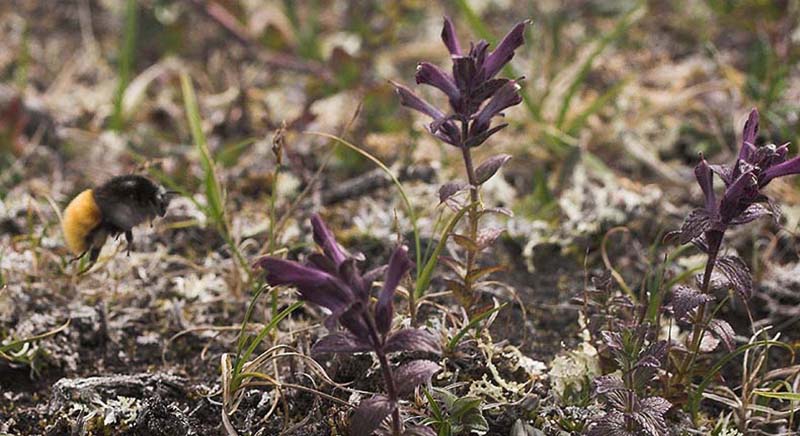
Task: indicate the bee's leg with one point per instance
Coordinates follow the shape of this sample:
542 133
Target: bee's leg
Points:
129 238
94 254
78 257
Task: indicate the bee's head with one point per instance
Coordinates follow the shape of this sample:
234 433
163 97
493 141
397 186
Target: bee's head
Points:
163 197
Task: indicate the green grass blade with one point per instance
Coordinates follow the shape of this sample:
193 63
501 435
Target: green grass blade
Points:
211 184
697 395
13 344
451 345
240 361
629 18
126 58
424 277
789 396
577 123
247 316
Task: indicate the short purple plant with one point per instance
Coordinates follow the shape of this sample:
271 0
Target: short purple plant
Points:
629 410
475 96
742 201
331 279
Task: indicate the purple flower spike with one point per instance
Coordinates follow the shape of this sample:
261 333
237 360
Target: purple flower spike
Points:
334 282
475 96
399 264
742 201
450 38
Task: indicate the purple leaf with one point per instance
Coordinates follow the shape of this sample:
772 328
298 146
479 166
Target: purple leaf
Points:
738 196
411 339
650 415
399 264
722 330
314 285
737 272
504 51
724 172
322 262
705 178
432 75
775 210
370 414
325 239
487 89
348 272
749 135
613 340
708 343
607 383
620 398
480 138
648 362
684 299
373 274
419 430
499 211
611 424
752 213
353 320
695 224
464 71
656 404
487 237
413 374
450 38
487 169
450 189
657 349
340 342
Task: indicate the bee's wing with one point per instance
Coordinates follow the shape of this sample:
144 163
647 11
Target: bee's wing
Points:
125 216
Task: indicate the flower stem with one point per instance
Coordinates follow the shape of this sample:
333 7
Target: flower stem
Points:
699 322
386 370
472 255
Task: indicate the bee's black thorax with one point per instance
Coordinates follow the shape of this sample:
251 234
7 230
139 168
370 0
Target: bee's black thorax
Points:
127 201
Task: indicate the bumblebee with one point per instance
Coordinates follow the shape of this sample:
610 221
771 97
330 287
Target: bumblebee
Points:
111 209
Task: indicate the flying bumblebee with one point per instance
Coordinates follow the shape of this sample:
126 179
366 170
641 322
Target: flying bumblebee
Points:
111 209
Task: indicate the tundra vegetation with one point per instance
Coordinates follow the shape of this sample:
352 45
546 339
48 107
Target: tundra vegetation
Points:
405 218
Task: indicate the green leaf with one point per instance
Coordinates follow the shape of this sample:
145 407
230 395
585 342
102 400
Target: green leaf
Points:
789 396
697 395
424 277
240 361
463 406
472 324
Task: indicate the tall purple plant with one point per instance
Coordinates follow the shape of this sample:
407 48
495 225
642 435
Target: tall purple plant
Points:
741 202
476 96
331 279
